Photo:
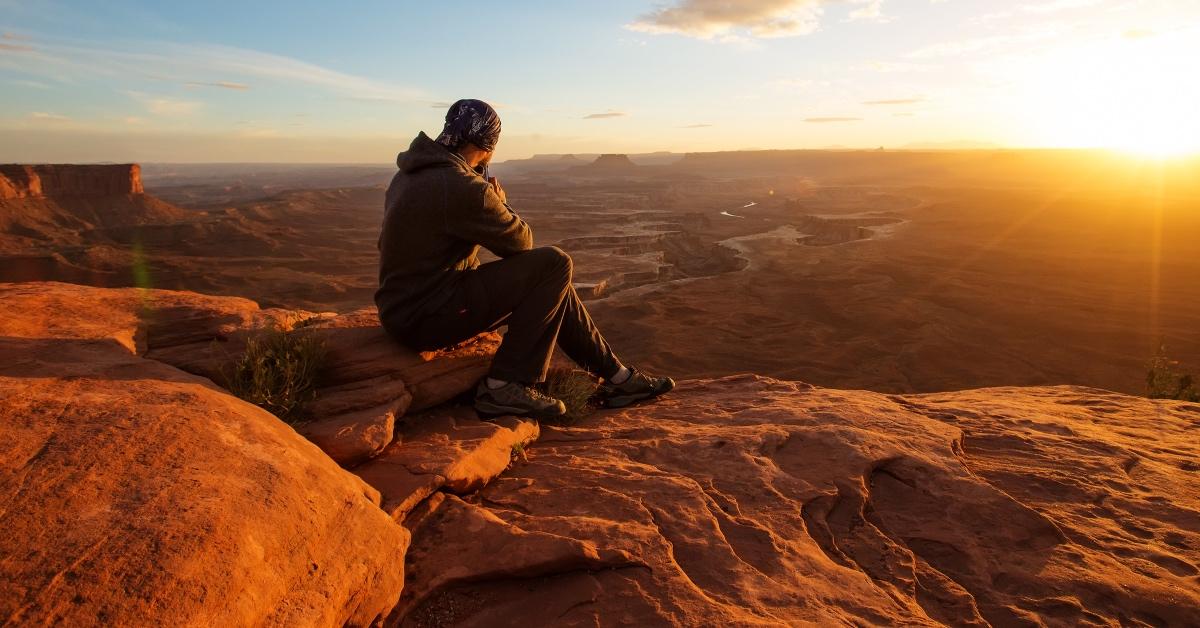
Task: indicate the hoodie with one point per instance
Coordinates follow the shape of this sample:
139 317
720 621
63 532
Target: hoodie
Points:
438 211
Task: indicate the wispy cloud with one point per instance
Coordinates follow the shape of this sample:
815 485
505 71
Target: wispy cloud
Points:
871 10
1036 8
221 84
978 44
606 114
831 119
12 42
894 67
46 116
894 101
166 106
732 21
695 126
208 65
790 84
29 83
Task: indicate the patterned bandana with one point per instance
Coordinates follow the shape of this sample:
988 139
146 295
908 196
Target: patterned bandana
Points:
471 121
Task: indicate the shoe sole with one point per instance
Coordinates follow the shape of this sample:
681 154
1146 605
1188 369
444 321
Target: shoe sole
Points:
493 411
620 401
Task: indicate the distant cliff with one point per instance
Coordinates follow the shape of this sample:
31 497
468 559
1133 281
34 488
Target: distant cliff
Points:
613 162
57 180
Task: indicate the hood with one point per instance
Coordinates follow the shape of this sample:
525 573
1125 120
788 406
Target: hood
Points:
425 153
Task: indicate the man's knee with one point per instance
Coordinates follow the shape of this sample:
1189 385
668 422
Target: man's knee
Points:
554 258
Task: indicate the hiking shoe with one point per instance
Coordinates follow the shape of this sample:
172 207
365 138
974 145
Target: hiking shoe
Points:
638 387
514 399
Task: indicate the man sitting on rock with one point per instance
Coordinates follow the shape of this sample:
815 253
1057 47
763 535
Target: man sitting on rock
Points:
440 208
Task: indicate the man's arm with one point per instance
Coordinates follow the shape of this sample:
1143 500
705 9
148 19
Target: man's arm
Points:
491 223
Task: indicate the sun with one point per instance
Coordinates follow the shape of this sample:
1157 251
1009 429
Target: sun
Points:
1135 93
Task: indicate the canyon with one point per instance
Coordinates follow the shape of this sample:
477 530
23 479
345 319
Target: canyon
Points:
909 393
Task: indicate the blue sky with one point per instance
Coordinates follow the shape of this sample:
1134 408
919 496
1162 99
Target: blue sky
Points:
353 82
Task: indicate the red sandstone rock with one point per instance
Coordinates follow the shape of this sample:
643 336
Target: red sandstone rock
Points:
749 501
360 351
137 494
446 448
24 181
489 549
368 379
353 437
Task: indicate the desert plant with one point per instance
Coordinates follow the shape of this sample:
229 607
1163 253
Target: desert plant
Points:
1164 380
277 372
518 451
574 388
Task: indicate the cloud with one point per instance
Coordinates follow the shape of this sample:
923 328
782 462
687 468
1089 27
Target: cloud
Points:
221 84
870 10
606 114
790 84
12 42
966 46
48 117
29 83
894 101
732 21
1037 8
832 119
893 67
196 63
695 126
165 106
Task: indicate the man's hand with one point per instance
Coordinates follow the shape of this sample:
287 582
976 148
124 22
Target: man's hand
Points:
499 190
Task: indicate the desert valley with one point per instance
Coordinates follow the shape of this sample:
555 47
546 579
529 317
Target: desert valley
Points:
912 392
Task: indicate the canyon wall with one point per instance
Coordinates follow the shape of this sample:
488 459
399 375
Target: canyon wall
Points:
25 181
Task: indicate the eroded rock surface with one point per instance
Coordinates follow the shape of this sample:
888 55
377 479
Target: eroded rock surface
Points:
137 494
750 501
368 380
448 449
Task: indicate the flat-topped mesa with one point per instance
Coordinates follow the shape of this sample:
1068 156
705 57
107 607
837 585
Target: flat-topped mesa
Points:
613 161
58 180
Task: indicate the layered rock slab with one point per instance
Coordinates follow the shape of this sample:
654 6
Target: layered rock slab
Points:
369 381
445 449
750 501
137 494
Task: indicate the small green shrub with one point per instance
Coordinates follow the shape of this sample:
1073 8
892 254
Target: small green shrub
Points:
277 372
1164 380
575 389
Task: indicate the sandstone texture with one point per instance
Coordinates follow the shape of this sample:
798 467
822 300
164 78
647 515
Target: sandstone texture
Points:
137 494
137 491
750 501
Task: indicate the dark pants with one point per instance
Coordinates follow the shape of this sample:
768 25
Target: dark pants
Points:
531 292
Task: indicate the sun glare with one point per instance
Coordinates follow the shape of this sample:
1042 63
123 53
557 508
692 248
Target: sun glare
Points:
1135 93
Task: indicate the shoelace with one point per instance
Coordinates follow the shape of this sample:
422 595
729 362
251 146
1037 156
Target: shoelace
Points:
634 376
537 394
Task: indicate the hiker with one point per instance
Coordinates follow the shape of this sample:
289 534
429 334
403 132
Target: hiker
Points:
440 208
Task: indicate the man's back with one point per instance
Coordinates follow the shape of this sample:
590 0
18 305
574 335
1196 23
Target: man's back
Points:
437 213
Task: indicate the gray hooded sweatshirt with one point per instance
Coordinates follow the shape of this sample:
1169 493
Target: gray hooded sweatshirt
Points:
438 211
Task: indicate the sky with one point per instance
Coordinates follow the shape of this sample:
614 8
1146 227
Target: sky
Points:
354 82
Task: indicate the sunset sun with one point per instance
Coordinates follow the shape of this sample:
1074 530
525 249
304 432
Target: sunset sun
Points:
1131 93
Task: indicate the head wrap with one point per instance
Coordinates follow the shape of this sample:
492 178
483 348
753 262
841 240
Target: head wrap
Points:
473 121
